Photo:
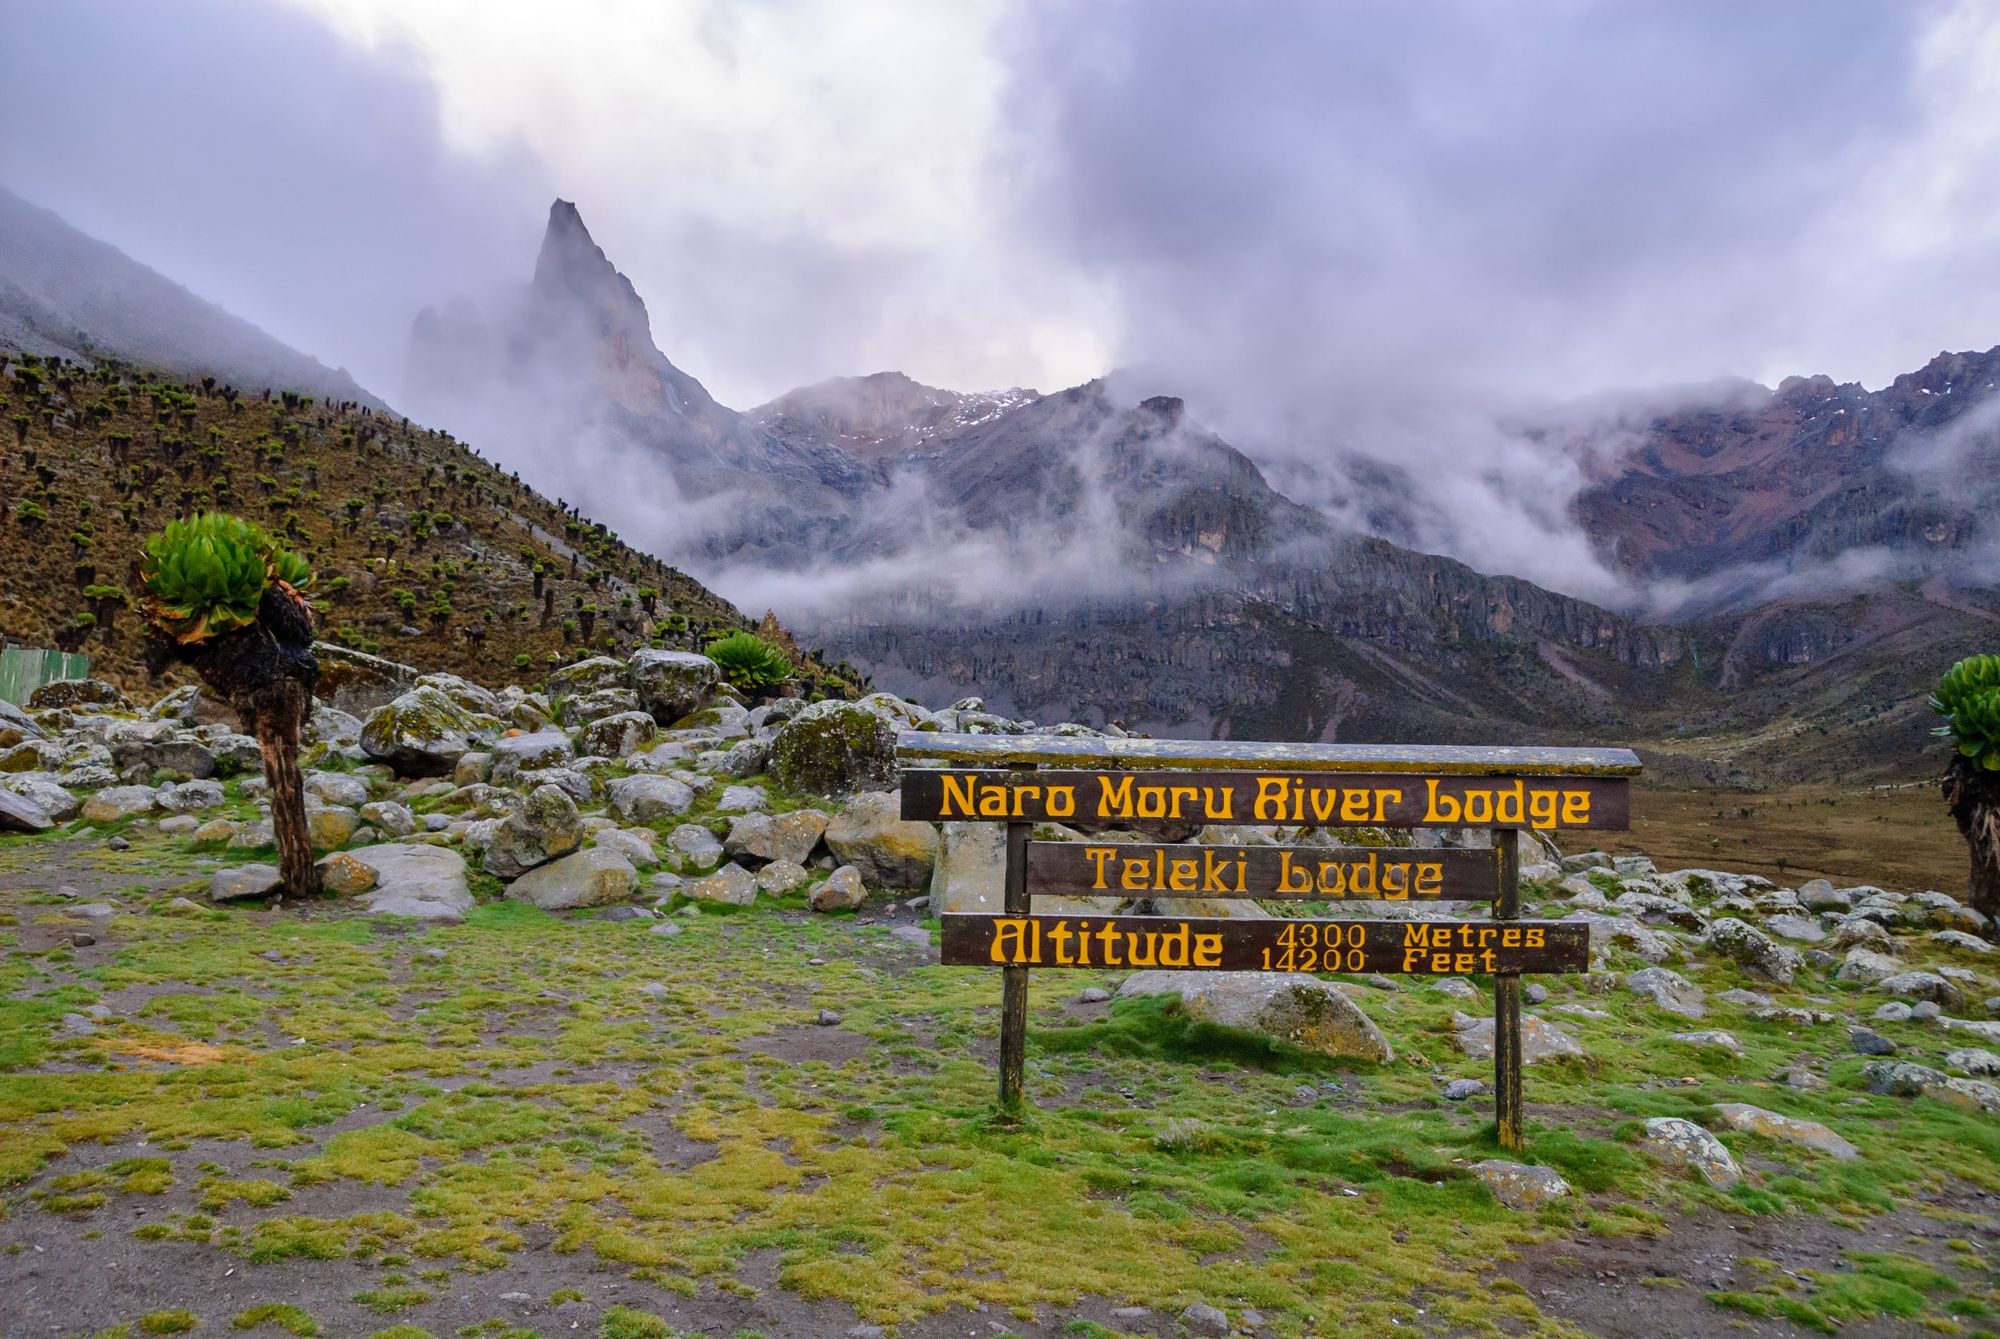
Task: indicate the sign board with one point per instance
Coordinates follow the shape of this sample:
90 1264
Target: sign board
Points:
1274 944
1340 799
1095 783
1305 873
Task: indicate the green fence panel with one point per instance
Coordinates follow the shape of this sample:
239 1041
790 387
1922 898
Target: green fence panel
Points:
22 671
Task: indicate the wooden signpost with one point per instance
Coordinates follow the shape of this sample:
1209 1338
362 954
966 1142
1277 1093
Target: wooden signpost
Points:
1094 783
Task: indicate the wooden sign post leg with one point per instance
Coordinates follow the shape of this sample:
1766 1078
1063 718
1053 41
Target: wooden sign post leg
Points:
1014 980
1507 1001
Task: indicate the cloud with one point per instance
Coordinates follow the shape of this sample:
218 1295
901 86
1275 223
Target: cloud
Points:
252 155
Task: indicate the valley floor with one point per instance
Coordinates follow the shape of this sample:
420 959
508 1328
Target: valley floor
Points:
303 1120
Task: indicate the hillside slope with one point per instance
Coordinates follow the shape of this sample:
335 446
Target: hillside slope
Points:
424 551
65 293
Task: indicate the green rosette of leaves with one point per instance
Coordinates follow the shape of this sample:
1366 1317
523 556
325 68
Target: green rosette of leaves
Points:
1968 697
206 574
749 662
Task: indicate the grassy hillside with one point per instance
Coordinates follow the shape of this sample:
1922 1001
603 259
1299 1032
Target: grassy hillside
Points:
424 552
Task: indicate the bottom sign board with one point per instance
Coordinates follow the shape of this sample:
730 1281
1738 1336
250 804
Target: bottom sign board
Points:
1265 944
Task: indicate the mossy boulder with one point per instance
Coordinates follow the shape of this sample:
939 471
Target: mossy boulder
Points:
836 748
78 693
670 684
586 676
421 733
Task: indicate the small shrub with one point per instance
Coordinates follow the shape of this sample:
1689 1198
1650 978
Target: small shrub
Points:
749 662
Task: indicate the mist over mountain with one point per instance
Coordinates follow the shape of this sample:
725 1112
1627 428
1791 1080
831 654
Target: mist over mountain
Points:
66 293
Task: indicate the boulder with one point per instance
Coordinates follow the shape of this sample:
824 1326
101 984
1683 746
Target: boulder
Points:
421 733
232 885
1668 989
78 693
969 873
46 794
643 797
417 881
1300 1011
590 878
635 844
1795 928
585 676
1714 1039
119 802
355 681
741 800
776 836
836 748
343 875
589 707
1756 951
1771 1125
390 817
1867 966
330 825
618 735
464 692
1895 1078
746 757
670 684
842 891
871 835
473 768
545 827
177 755
1518 1185
731 885
190 797
1685 1144
696 844
516 754
337 788
1540 1039
1921 986
781 877
20 814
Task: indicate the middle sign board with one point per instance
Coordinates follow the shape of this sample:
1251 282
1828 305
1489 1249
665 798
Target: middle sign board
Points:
1305 873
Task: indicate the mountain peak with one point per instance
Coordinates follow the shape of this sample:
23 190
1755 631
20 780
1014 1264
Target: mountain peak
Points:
572 269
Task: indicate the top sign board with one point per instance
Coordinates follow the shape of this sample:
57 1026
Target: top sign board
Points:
1390 800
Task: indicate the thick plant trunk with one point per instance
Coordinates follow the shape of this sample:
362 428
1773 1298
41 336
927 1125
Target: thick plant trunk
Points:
267 673
279 715
1973 794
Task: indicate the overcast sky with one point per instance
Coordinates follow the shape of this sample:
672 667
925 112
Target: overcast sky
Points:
1261 202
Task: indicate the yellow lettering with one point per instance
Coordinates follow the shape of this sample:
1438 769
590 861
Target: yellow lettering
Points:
1136 874
1537 938
1182 877
1098 856
1114 800
1219 801
1511 815
1325 803
1479 806
1152 802
1576 808
1010 942
1439 808
1292 879
1383 799
1174 947
1361 877
958 790
1430 879
1511 937
1059 936
1175 793
1396 882
1354 807
1269 806
1542 809
993 803
1062 801
1208 950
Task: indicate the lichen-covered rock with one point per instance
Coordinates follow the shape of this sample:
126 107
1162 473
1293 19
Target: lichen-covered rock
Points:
1771 1125
1518 1185
189 797
178 756
1713 1039
842 891
118 802
969 871
78 693
731 885
421 733
642 798
585 676
595 706
548 825
1756 951
1921 986
330 825
1795 928
515 754
780 877
1668 989
836 748
1540 1039
337 788
45 793
390 817
594 877
1300 1011
776 836
635 844
670 684
343 875
618 735
871 835
1685 1144
1896 1078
